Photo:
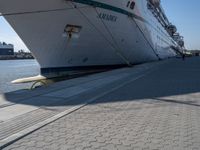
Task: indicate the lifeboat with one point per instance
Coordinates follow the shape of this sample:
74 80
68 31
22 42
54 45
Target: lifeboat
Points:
181 43
172 29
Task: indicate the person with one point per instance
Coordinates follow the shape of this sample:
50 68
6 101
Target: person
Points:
183 56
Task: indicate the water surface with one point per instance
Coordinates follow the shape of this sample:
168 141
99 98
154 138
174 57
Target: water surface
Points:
15 69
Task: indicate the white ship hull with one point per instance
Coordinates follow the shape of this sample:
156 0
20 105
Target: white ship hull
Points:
102 42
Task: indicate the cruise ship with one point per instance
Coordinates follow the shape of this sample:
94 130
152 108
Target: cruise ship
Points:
83 35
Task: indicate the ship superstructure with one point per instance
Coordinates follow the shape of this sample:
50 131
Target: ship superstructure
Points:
80 35
6 49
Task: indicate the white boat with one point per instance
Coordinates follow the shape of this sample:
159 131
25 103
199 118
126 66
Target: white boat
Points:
82 35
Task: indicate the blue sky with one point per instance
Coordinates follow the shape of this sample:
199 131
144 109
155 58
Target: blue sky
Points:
8 35
185 14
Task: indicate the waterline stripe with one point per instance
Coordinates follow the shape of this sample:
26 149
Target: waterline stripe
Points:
109 7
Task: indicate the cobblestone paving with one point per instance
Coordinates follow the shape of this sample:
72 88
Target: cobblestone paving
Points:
158 112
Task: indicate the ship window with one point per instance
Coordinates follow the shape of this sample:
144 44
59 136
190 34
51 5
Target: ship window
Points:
128 4
132 6
149 6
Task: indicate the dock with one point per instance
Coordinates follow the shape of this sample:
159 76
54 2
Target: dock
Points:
152 106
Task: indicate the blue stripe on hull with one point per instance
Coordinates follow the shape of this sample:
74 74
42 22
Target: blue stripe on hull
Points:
58 70
109 7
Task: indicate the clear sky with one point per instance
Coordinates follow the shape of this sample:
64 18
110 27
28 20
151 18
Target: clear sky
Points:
185 14
8 35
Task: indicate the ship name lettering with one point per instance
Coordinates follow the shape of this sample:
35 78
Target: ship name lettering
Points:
107 17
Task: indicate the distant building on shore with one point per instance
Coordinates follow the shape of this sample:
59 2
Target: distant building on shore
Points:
7 52
6 49
21 54
195 52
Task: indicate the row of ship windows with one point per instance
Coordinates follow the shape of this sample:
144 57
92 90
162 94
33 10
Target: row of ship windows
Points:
159 30
131 5
162 40
154 22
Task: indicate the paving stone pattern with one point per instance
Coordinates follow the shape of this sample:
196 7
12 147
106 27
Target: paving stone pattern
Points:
160 111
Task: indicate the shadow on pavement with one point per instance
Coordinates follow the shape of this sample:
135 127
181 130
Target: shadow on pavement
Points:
171 79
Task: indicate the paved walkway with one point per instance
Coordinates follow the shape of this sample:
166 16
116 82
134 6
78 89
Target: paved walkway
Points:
158 111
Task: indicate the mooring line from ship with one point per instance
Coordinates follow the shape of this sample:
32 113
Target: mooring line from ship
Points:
105 38
23 133
145 38
109 32
25 99
38 11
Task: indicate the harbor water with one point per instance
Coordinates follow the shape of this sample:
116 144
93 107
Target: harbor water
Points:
15 69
